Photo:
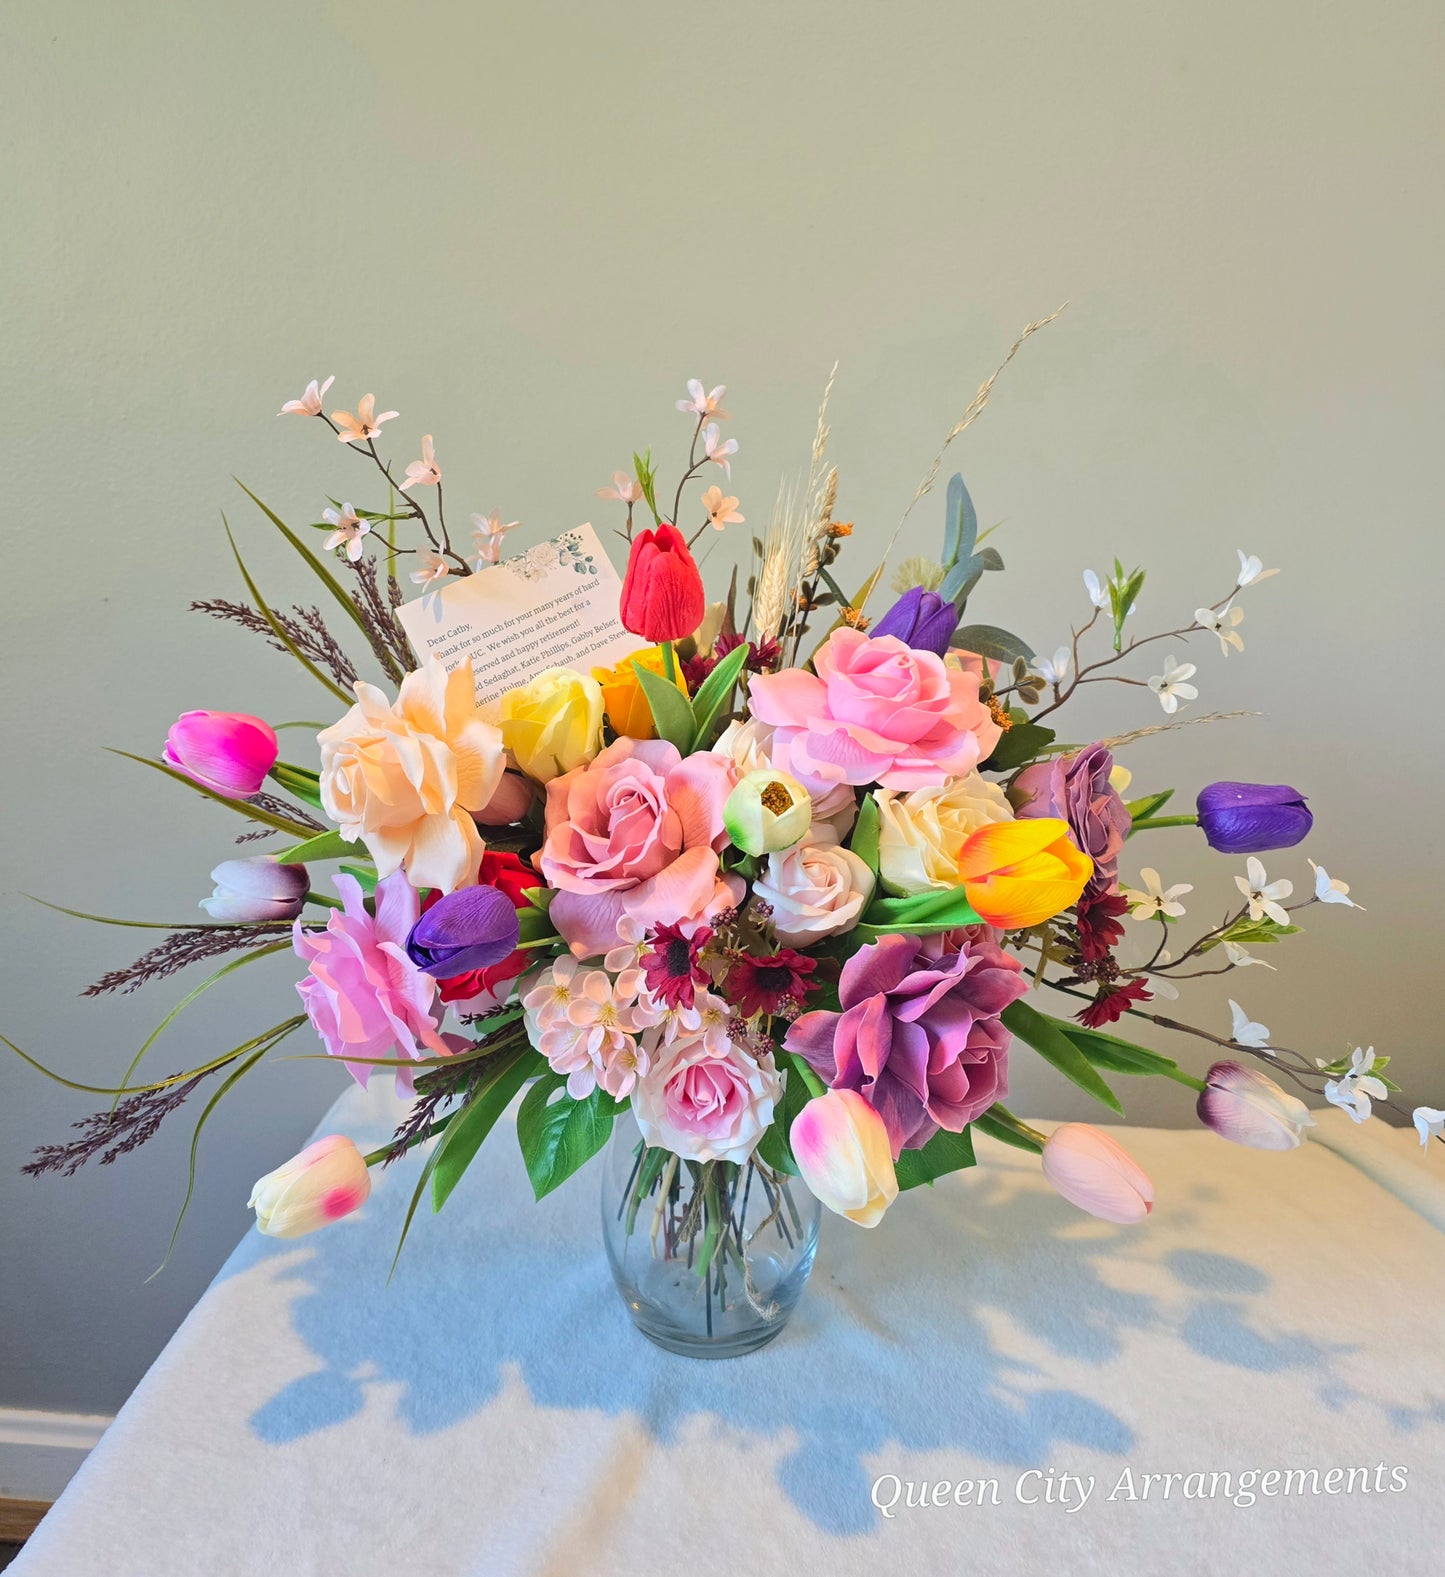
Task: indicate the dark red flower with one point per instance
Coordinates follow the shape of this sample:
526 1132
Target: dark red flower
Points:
763 656
671 966
662 595
769 985
1112 1003
511 876
695 670
1100 925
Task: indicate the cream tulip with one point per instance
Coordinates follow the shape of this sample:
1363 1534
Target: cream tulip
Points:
843 1153
328 1180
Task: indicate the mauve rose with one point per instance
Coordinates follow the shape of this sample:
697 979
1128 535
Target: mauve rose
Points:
875 711
636 832
1076 789
919 1036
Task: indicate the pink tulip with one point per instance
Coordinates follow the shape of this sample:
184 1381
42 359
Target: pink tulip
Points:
1093 1172
328 1180
1248 1108
843 1151
229 752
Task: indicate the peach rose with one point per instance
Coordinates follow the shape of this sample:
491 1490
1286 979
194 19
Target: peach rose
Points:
404 777
636 832
876 711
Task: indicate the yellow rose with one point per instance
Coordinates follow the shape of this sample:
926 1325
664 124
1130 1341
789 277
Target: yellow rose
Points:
627 708
553 723
921 833
404 776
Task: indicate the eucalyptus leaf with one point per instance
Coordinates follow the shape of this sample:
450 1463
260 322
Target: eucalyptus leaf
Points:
989 558
1020 745
960 522
988 640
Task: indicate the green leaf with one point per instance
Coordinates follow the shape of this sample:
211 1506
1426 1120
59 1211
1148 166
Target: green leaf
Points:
277 628
145 925
364 874
960 523
1118 1056
559 1136
1149 804
998 1122
670 709
300 781
1055 1047
864 842
944 1152
715 692
1022 743
775 1147
329 845
534 928
921 914
323 574
1246 931
458 1146
988 640
245 807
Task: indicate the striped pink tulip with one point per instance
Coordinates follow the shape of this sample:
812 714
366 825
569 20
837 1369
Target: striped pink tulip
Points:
1247 1107
843 1151
328 1180
1093 1172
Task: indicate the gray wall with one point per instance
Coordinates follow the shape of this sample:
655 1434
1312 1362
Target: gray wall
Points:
524 227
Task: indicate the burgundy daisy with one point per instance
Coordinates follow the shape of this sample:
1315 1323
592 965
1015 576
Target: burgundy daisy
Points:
1112 1003
671 966
771 984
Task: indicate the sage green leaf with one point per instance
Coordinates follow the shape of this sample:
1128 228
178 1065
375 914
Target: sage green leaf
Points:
1048 1039
475 1121
670 709
944 1152
960 523
715 692
1022 743
557 1136
988 640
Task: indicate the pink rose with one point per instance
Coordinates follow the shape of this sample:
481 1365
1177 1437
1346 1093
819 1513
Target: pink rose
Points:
876 711
636 832
705 1104
364 996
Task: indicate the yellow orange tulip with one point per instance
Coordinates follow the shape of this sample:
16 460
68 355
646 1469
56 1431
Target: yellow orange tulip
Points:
622 696
1020 873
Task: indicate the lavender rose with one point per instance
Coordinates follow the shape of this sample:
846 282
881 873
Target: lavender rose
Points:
1077 790
919 1036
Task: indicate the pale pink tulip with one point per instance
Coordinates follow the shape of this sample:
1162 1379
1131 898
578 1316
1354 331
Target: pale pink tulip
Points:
841 1146
1093 1172
230 752
365 425
328 1180
1249 1108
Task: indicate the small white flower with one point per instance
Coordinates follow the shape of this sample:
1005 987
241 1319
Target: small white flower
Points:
1354 1092
1245 1031
350 529
1155 900
1161 985
1242 958
1170 686
487 534
1055 669
431 570
1098 594
1264 896
1251 569
1222 624
716 450
1329 891
702 404
625 960
624 489
310 403
424 472
1429 1122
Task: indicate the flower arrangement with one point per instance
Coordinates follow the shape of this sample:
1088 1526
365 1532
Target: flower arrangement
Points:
790 884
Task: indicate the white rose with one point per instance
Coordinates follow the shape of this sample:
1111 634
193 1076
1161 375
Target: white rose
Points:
920 833
815 890
747 746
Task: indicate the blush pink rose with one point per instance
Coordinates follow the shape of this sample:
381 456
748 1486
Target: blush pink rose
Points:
636 832
364 996
876 711
705 1103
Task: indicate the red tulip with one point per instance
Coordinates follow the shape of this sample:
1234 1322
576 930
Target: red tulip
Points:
662 595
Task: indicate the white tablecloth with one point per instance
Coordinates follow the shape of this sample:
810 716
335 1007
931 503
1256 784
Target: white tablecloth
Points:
492 1410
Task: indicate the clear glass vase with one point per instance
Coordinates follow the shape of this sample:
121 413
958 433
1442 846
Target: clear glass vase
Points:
710 1258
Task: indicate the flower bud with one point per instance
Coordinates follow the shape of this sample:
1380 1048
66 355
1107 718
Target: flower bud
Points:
259 889
328 1180
511 802
1251 818
920 619
1020 873
662 593
465 930
1093 1172
767 811
842 1149
229 752
1247 1107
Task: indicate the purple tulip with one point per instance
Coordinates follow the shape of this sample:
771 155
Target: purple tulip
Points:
1250 818
465 930
920 619
1245 1107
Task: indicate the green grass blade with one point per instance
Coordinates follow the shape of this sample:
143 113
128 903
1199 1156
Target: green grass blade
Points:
249 811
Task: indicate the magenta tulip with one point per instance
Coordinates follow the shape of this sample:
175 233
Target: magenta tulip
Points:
229 752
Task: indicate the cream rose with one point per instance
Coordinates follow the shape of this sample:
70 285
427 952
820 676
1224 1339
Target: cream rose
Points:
404 777
815 890
920 833
746 745
553 723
